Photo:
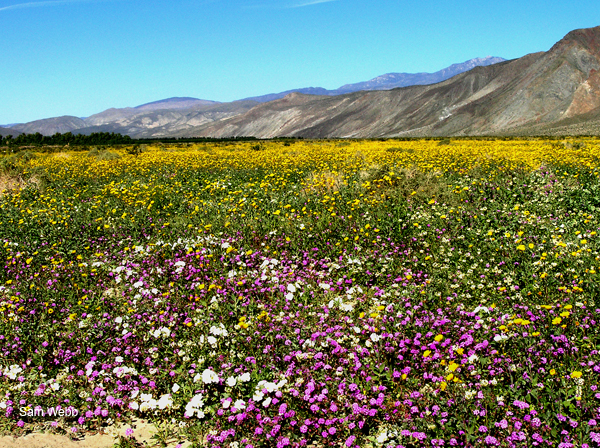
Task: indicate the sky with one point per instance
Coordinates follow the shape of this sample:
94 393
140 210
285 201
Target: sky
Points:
80 57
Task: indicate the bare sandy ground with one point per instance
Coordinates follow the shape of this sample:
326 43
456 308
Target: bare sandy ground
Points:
143 433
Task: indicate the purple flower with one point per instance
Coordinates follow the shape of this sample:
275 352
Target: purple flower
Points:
490 440
520 404
483 428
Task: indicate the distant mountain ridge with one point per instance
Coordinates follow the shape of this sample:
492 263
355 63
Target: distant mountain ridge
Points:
389 80
173 116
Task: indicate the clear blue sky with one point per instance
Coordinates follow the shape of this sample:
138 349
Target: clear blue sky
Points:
79 57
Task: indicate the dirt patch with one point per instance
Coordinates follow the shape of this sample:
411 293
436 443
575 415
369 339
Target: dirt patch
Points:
143 433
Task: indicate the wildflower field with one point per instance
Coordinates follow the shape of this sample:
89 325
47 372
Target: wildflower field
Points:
290 293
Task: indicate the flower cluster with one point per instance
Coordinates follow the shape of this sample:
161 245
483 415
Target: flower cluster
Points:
397 293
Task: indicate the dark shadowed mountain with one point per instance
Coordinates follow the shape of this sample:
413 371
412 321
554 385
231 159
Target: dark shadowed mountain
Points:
389 80
557 91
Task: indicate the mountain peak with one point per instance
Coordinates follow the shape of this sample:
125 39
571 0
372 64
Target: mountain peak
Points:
588 38
176 102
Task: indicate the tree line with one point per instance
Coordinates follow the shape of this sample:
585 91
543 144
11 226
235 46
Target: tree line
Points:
67 139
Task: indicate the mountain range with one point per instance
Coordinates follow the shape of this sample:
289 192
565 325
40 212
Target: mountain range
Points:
553 92
173 116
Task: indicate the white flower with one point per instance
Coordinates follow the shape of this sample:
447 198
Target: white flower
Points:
119 359
138 284
239 404
374 337
382 437
291 288
212 340
12 371
267 402
244 377
324 286
175 388
119 320
226 404
289 296
208 376
231 381
134 405
196 401
194 407
165 401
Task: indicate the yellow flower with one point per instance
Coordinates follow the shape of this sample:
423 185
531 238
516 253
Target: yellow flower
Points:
460 351
438 338
443 385
565 314
521 247
427 353
576 374
453 366
552 372
556 321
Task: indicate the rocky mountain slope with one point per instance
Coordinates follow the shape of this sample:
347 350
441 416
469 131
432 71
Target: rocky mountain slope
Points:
175 116
540 92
